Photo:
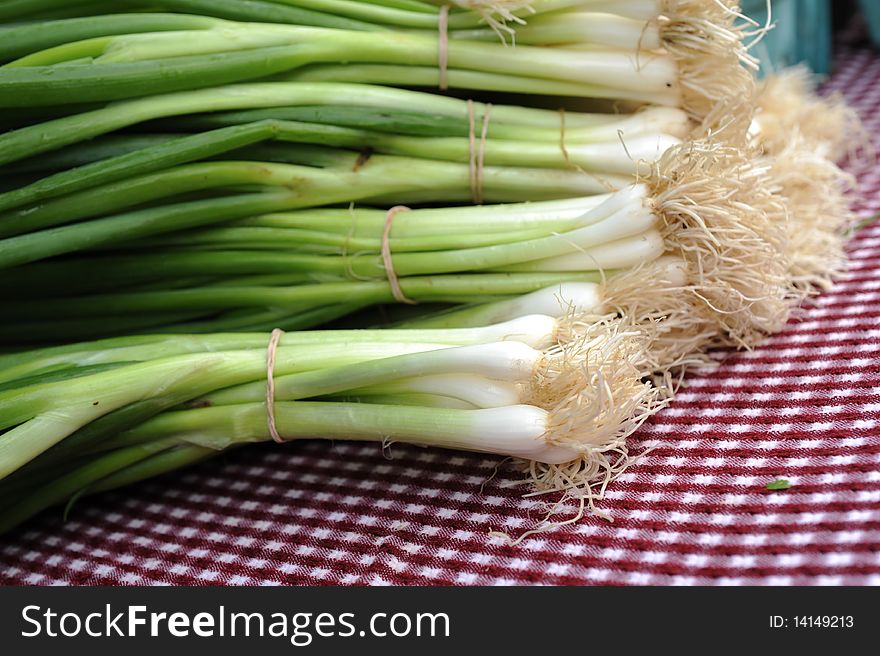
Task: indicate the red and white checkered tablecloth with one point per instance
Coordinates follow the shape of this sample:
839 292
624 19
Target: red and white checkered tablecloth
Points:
805 406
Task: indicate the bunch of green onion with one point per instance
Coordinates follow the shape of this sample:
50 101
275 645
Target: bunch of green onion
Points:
137 185
90 417
686 50
300 269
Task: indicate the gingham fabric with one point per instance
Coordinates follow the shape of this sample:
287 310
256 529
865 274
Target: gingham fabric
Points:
805 407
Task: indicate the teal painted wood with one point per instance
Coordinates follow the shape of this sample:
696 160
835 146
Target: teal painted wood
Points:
871 11
802 33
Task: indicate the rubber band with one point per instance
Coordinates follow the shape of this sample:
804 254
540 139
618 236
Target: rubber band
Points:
567 157
443 46
481 154
270 384
349 270
396 290
476 152
562 137
472 151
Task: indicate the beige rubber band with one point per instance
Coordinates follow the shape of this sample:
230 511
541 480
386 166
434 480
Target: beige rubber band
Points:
481 154
348 235
443 46
565 154
562 136
396 290
270 384
477 152
472 151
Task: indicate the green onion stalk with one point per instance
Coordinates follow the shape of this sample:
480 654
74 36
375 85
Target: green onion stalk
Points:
683 53
560 395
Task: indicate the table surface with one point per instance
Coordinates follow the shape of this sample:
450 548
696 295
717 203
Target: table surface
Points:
805 406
